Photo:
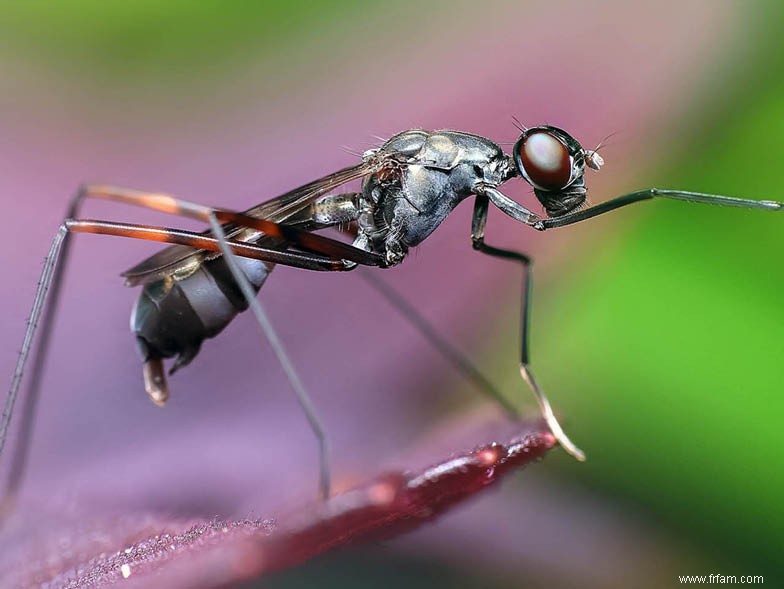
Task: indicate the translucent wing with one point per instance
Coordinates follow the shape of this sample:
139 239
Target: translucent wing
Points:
280 208
180 258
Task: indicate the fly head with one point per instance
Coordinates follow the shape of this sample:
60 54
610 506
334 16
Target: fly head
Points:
553 162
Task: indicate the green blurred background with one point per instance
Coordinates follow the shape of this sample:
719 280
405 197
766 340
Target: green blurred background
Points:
657 331
671 329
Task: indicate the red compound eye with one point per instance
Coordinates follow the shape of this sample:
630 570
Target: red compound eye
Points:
546 161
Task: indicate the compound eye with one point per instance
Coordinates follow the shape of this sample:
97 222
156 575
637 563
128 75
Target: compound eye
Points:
546 161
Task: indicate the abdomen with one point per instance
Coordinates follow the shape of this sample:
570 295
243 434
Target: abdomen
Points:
173 317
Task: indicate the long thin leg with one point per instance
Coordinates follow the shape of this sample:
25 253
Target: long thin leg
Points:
300 238
269 332
19 456
440 343
641 195
450 353
478 237
204 242
48 272
506 205
50 284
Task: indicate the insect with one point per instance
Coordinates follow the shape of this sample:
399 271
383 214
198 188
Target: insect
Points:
194 288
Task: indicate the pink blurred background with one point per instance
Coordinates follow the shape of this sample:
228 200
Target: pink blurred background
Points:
231 440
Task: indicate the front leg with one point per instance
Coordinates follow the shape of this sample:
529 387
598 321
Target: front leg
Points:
651 193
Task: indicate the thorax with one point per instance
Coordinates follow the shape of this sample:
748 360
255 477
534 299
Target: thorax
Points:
438 170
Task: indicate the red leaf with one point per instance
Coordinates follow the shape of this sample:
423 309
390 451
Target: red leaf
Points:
212 554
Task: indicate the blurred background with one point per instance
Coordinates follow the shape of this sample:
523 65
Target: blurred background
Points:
657 330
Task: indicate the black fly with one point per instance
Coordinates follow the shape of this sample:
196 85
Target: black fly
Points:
193 289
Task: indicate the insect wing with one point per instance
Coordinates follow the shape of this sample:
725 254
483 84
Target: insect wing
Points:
280 208
175 258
